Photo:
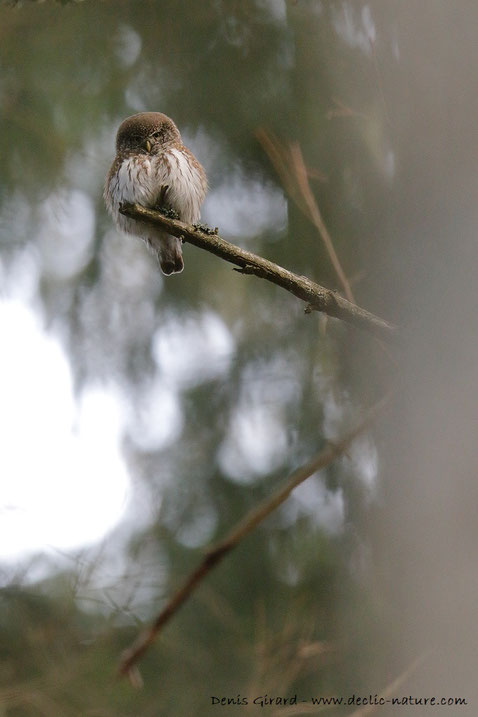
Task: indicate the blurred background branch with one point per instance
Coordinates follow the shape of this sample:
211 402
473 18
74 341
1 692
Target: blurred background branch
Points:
248 523
290 166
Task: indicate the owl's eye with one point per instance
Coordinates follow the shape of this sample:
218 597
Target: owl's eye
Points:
156 134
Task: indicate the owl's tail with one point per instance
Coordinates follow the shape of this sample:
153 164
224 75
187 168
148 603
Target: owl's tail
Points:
170 254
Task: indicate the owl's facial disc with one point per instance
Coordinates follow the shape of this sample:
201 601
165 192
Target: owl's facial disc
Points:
152 140
146 132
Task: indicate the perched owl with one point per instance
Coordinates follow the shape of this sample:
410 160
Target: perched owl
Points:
153 167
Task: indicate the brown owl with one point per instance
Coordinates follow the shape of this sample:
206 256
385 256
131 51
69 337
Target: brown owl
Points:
152 166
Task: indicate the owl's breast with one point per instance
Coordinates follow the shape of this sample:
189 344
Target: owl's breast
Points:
134 181
139 179
186 180
131 179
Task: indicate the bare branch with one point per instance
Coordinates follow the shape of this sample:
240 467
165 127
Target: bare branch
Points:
250 521
290 166
392 688
389 691
316 216
317 297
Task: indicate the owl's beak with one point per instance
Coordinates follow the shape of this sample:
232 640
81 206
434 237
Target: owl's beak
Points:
148 145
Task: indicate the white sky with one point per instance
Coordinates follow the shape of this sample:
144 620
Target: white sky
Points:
63 483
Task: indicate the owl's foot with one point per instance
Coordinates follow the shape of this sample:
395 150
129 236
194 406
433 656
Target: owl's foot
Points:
161 205
162 195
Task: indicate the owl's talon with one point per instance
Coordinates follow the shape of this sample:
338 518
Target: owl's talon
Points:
162 195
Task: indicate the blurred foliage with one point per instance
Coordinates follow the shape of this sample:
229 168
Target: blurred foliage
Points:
259 385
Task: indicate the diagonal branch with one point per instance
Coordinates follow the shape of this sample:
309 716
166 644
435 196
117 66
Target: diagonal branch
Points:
250 521
317 297
290 166
393 687
316 216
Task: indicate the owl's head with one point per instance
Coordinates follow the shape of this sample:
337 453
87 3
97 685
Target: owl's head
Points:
146 133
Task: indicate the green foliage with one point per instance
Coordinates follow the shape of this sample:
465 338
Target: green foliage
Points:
251 411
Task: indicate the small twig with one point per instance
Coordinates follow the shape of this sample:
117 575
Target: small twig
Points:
247 269
380 83
342 110
291 168
316 216
389 691
317 297
250 521
393 686
280 158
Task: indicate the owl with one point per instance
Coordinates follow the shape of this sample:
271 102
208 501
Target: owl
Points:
153 168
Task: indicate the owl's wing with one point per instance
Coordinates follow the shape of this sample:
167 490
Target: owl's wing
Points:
179 171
